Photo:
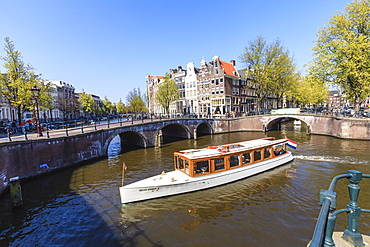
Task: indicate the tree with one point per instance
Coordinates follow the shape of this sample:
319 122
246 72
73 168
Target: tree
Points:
16 83
137 105
121 108
132 94
270 68
308 90
167 92
136 101
342 52
107 106
45 99
87 102
285 77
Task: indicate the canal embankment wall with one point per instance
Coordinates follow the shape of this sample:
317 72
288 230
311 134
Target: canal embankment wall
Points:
25 159
28 158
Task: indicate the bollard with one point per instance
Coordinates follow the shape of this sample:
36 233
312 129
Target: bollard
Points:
9 138
195 134
15 192
82 128
94 125
66 131
25 134
47 133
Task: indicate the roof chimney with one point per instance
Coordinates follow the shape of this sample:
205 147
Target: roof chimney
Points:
232 62
179 68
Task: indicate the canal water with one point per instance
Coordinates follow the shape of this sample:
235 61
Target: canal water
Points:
80 206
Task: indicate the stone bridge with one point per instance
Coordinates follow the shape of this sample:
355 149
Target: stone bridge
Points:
346 128
37 156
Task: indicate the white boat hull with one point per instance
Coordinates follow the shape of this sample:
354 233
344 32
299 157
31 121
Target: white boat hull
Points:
176 182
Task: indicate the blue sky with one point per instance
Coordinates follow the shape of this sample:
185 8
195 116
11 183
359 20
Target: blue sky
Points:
108 47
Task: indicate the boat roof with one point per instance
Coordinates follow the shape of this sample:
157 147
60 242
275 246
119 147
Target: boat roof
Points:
229 148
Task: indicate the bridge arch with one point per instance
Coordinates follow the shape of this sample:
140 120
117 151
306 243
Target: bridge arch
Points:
131 138
174 130
204 129
274 123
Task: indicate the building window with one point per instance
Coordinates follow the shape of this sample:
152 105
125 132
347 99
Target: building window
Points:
216 71
216 81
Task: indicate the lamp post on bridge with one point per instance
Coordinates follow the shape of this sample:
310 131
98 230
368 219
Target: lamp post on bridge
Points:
35 96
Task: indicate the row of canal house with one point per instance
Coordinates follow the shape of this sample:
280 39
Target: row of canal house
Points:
64 105
216 87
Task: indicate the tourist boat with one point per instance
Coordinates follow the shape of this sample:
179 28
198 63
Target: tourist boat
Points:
198 169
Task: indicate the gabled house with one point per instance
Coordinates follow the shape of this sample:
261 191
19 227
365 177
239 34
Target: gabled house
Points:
179 75
218 87
151 90
191 105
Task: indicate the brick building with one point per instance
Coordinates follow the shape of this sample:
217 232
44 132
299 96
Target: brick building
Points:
214 88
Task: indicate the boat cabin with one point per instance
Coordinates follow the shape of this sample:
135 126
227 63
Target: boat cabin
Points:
198 162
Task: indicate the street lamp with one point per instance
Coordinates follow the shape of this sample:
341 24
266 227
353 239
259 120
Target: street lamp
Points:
35 95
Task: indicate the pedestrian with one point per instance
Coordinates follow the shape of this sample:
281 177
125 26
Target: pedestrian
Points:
14 126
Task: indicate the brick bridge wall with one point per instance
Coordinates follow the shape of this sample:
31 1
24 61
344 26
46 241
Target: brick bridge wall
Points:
34 157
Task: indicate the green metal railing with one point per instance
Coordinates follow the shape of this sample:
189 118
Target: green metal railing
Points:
323 234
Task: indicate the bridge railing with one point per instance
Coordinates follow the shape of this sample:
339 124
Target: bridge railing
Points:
323 234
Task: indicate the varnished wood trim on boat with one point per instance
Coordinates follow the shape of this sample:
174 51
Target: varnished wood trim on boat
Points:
226 157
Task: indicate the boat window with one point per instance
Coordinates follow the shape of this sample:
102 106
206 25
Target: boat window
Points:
201 167
180 163
187 167
267 153
246 158
219 164
234 161
257 155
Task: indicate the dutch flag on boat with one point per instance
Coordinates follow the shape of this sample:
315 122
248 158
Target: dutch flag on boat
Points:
291 143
